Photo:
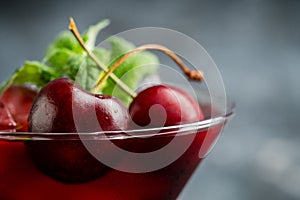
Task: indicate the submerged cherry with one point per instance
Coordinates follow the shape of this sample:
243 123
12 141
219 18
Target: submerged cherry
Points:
6 120
52 112
18 100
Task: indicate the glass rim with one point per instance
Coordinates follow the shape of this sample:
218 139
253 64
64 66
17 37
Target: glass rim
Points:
187 128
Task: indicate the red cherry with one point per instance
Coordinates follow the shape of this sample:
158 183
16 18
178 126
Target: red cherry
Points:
52 112
18 99
157 106
6 120
59 100
163 101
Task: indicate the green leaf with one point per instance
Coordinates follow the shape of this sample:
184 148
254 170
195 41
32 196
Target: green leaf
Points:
90 36
73 65
59 52
87 75
119 46
132 71
88 72
65 40
32 72
67 57
59 58
103 55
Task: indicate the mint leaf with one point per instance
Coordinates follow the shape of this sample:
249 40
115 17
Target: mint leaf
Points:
67 57
32 72
65 40
89 73
59 58
132 71
90 36
103 55
58 54
73 65
119 46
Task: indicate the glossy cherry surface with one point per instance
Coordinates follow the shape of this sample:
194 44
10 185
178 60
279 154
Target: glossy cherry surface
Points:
18 100
6 120
62 107
162 101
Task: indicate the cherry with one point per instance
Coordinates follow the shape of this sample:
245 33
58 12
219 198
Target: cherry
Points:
18 100
53 109
177 106
6 120
158 106
52 112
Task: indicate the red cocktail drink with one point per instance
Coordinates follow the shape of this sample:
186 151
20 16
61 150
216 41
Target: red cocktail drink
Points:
22 174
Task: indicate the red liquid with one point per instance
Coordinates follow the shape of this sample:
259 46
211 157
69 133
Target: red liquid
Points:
19 177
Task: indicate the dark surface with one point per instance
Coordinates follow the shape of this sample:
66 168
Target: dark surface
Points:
256 46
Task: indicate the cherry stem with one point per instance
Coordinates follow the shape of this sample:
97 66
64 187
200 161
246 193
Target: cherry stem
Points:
192 74
121 84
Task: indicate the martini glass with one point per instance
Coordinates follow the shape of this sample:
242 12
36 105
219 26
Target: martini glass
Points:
21 176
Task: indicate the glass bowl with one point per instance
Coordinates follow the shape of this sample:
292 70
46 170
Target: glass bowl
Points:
151 163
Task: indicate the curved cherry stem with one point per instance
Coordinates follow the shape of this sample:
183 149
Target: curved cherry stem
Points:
121 84
192 74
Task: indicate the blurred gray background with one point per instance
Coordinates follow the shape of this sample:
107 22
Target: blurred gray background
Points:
256 45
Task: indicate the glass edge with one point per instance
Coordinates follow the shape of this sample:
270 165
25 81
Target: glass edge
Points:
137 133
